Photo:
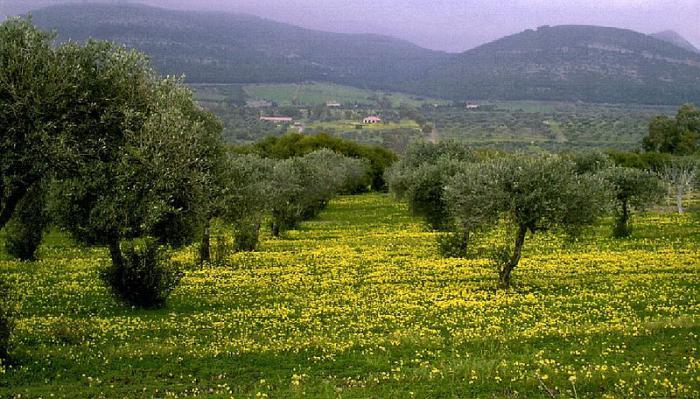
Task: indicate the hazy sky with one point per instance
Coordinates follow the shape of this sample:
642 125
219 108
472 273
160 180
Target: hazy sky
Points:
451 25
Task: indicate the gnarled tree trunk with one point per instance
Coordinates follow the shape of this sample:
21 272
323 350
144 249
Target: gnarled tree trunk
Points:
505 273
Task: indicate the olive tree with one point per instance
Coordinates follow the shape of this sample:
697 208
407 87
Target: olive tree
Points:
33 140
245 202
632 189
302 186
158 158
680 175
421 174
530 194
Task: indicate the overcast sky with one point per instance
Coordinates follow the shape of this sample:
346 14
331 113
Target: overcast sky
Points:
452 25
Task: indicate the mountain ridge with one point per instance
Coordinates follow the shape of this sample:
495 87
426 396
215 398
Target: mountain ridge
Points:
675 38
239 48
573 63
561 63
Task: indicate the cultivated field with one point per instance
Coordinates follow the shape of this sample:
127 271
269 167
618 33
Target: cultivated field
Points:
312 93
359 304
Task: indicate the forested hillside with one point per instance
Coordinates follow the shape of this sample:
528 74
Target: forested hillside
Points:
231 48
572 63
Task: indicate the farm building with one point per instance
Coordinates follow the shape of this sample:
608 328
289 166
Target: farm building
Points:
472 105
372 119
276 119
333 104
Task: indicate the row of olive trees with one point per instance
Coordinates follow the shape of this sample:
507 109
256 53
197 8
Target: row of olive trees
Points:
94 137
285 192
95 142
469 194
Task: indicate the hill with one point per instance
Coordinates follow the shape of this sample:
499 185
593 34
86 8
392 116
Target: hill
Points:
561 63
674 38
570 63
213 47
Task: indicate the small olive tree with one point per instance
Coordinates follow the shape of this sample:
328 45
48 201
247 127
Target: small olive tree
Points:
680 175
530 194
421 174
632 189
245 201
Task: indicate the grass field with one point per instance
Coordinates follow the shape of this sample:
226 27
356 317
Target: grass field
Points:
357 304
310 94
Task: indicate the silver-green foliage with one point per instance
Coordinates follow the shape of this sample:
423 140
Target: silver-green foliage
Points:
633 189
529 194
421 174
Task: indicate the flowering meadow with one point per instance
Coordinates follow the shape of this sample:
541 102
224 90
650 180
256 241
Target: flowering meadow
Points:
358 304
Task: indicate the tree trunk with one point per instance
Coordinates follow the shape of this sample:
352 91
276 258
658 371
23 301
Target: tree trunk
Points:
115 252
622 229
504 275
10 204
205 247
680 193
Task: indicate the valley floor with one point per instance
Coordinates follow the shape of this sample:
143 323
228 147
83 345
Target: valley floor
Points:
358 304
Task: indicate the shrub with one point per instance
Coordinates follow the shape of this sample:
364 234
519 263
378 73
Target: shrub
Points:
453 244
144 277
247 236
8 310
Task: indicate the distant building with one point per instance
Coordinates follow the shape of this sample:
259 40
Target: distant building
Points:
371 119
333 104
276 119
472 105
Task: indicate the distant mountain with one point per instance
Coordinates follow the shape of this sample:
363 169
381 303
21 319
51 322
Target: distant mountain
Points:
567 63
211 47
674 38
571 63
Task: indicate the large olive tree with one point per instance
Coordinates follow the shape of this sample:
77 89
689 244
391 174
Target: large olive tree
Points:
146 150
34 141
531 194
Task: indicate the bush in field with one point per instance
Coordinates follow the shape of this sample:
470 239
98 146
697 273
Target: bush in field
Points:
529 194
8 309
453 244
288 197
144 277
26 228
632 189
420 176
